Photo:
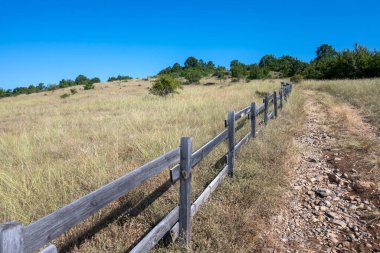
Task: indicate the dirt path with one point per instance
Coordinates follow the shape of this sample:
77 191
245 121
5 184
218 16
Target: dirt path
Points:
333 202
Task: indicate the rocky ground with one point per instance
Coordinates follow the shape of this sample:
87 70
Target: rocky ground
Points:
331 207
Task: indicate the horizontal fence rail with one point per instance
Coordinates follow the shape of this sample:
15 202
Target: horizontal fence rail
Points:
15 237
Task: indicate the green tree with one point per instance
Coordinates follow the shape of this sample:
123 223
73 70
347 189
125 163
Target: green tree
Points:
81 79
325 51
165 85
191 62
193 75
268 61
238 70
255 72
220 73
95 80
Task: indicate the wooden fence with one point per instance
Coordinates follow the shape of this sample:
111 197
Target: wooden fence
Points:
17 238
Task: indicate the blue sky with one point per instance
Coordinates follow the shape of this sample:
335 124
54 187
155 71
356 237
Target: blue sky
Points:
45 41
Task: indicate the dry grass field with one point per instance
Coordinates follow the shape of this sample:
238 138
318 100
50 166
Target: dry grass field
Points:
56 150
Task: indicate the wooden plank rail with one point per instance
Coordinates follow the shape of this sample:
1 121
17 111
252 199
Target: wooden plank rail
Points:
200 154
55 224
15 237
155 235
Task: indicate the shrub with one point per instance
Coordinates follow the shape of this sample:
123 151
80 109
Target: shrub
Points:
89 86
257 72
165 85
65 96
81 79
119 78
95 80
296 78
73 91
193 75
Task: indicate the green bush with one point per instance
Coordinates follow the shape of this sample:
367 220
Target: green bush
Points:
65 96
296 78
193 75
119 78
256 72
89 86
165 85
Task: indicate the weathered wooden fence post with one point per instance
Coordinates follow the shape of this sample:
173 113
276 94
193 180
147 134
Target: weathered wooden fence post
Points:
253 120
185 191
11 238
266 103
275 103
280 99
286 93
231 143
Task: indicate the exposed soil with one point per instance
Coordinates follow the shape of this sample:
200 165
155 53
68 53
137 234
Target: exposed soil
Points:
334 200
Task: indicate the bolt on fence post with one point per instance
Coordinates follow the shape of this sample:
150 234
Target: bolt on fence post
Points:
231 143
266 102
275 103
185 191
253 120
11 238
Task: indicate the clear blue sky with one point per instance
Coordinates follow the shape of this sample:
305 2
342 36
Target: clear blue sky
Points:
45 41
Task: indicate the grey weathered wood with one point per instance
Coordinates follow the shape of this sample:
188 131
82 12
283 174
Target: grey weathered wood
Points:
281 99
275 103
11 238
50 249
271 115
270 97
156 234
285 93
266 109
231 143
242 142
185 191
242 113
55 224
260 109
200 154
201 199
253 119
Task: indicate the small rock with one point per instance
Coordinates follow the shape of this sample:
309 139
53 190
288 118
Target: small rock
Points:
361 186
323 192
333 215
340 223
352 207
346 244
333 178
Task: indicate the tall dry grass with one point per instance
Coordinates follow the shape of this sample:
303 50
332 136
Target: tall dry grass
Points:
362 93
236 218
55 150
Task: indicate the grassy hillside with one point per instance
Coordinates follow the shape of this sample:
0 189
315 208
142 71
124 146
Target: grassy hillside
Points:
55 150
